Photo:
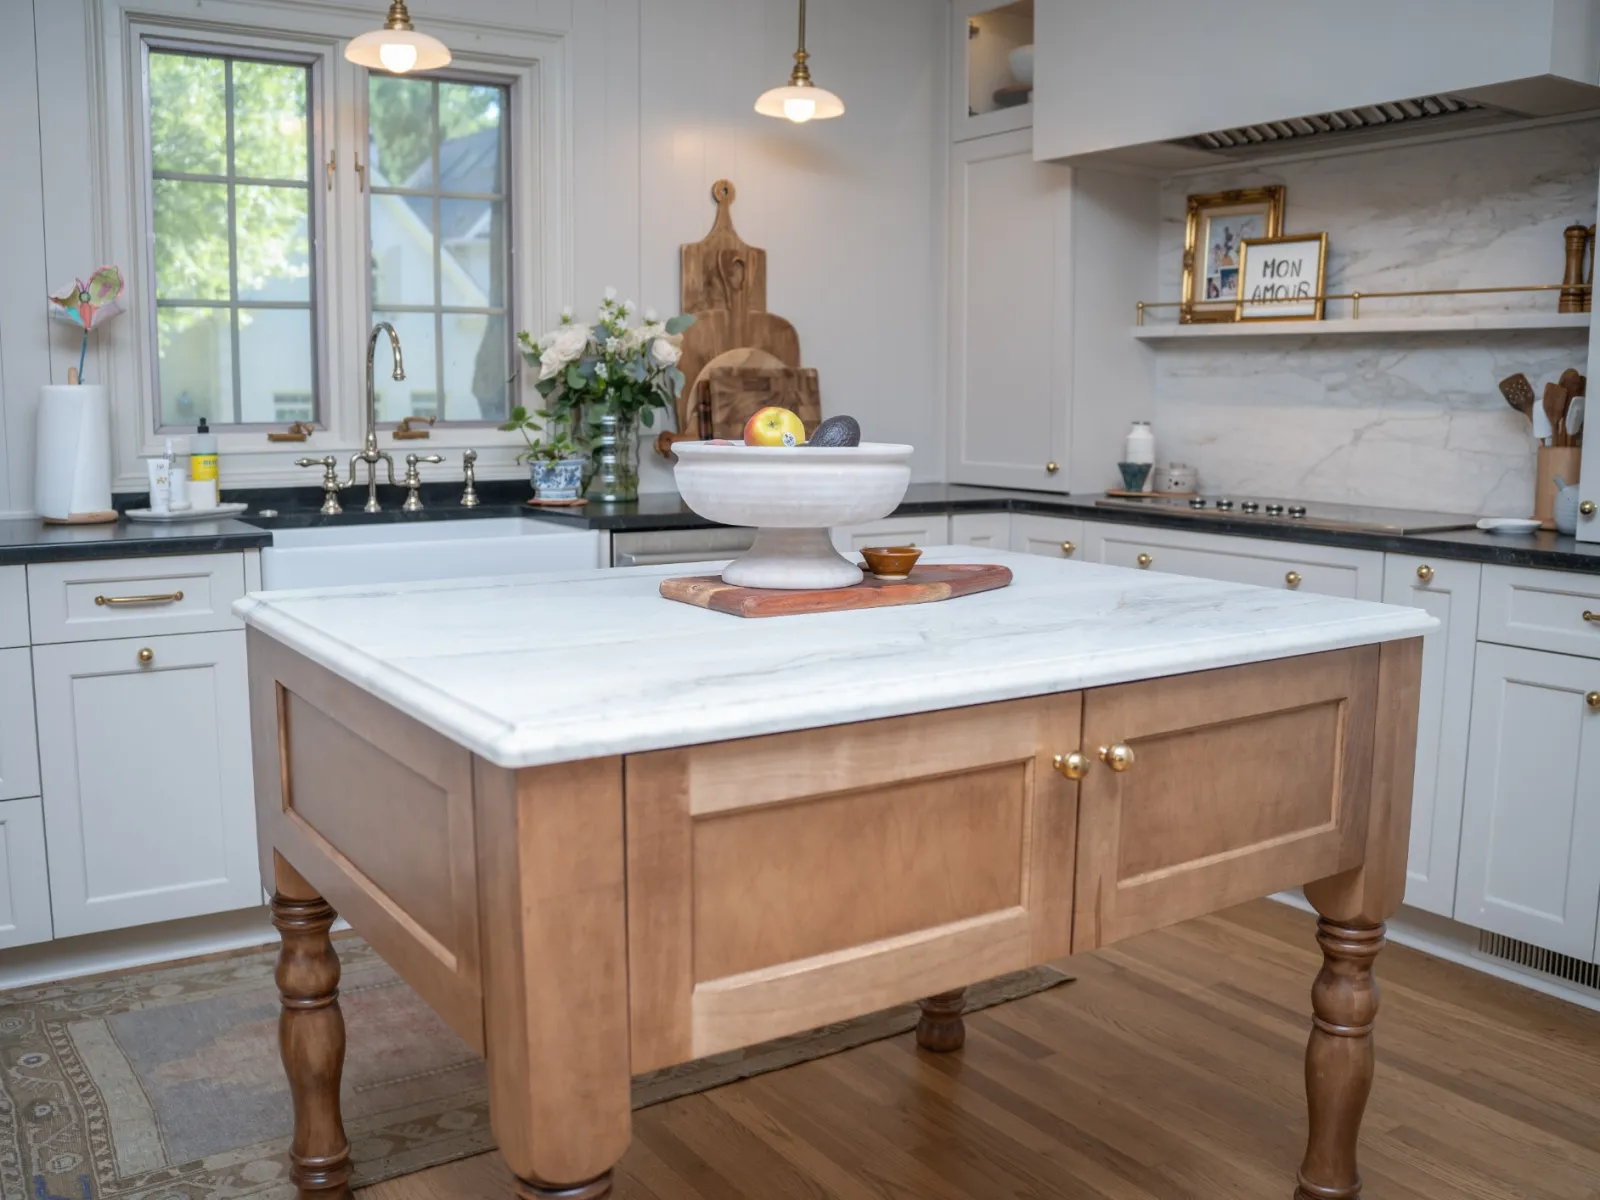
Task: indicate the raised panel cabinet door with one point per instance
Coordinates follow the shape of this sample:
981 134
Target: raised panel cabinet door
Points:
1234 783
1449 591
895 531
19 751
145 765
24 881
1010 358
781 883
981 529
1530 825
1049 537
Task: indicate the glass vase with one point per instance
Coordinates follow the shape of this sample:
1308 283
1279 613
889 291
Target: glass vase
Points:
616 461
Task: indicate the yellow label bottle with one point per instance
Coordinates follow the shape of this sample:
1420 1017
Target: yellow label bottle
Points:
203 454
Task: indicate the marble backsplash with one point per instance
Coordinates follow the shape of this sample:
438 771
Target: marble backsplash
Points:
1413 420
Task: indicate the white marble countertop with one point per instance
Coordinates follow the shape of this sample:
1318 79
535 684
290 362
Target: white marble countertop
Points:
560 667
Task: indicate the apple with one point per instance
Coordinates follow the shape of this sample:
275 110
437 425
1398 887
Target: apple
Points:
774 427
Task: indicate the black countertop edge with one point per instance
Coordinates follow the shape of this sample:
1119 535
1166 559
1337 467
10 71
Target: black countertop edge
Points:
29 540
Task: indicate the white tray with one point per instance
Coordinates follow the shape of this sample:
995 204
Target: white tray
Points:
187 514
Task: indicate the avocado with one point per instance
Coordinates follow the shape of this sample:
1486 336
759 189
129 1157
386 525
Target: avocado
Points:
837 431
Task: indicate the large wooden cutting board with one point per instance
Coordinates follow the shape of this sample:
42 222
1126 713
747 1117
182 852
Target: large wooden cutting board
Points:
925 585
734 394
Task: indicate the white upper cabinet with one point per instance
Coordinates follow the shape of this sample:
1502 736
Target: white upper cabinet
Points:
991 86
1130 77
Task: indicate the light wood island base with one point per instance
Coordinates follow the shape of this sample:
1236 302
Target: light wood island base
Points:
583 922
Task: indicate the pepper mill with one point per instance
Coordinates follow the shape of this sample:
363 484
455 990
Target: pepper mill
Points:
1574 296
469 467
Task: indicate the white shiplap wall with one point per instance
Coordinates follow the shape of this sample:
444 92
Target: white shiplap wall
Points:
660 94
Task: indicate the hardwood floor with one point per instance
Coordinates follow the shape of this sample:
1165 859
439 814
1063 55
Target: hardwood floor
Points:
1172 1068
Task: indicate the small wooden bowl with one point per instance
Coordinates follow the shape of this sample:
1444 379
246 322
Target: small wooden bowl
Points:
891 562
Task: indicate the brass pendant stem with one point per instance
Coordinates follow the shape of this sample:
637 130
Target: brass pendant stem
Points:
801 75
398 18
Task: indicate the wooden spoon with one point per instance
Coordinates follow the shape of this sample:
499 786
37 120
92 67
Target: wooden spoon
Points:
1518 393
1555 408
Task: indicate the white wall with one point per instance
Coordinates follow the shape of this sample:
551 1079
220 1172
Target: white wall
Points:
1401 419
850 211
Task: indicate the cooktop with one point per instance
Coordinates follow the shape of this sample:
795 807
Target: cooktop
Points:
1273 511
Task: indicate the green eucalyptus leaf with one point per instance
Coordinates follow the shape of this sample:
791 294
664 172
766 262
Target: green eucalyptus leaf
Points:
680 322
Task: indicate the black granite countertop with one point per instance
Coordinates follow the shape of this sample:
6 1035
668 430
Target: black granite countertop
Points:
30 540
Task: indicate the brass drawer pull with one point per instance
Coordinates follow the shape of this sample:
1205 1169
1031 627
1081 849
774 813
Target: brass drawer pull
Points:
1068 547
1592 699
1073 766
146 656
1117 757
1144 560
1592 617
1292 579
1425 573
167 598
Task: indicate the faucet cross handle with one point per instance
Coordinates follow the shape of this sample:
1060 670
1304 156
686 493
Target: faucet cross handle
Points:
413 480
330 482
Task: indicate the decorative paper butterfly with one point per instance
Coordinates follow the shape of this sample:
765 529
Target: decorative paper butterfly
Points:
86 304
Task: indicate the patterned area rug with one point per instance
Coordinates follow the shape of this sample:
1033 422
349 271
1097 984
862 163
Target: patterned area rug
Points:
166 1085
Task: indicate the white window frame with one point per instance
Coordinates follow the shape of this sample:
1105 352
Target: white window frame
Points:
534 64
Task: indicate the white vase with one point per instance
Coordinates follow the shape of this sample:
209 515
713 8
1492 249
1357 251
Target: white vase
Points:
72 460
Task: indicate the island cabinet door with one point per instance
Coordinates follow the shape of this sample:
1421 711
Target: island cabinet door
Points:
776 884
1221 786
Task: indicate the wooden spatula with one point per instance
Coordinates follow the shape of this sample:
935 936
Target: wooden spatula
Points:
1555 409
1518 393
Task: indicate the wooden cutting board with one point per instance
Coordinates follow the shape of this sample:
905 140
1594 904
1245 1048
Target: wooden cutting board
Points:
706 271
924 586
735 394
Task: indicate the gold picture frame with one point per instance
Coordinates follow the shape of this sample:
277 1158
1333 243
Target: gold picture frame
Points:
1297 284
1207 247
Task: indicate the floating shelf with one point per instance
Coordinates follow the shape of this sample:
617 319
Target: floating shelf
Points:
1345 327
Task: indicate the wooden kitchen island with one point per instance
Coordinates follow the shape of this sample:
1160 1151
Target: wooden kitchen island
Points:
602 833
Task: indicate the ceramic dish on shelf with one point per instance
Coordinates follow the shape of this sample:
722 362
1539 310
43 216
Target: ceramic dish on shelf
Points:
185 514
1509 525
792 495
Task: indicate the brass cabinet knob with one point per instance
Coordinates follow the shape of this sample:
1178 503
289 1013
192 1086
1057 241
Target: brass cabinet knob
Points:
1425 573
1145 560
1587 508
1068 547
1592 699
1073 766
1292 579
1117 757
146 656
1051 468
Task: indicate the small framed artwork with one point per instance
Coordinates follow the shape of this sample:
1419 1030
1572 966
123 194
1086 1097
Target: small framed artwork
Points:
1218 225
1280 278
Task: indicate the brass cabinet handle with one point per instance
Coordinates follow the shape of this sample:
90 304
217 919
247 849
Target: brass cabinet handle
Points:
1587 508
146 656
1592 699
1292 579
1591 616
1074 765
1051 468
1118 757
1068 547
166 598
1144 560
1425 573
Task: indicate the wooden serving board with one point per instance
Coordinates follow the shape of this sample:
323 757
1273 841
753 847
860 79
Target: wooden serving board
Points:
735 394
923 586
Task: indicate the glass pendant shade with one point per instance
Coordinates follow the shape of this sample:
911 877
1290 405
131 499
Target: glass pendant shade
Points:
801 100
397 47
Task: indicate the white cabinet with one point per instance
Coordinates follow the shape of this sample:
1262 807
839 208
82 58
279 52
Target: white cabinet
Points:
1053 537
895 531
19 752
1530 839
13 606
1325 570
1542 610
983 83
134 597
145 762
24 884
1010 345
1449 591
981 529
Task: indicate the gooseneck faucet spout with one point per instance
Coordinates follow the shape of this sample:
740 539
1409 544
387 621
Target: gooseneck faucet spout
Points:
369 453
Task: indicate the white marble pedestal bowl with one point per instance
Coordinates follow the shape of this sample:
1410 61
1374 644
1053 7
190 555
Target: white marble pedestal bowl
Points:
792 495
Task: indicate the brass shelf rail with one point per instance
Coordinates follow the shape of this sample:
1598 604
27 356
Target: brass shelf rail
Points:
1356 298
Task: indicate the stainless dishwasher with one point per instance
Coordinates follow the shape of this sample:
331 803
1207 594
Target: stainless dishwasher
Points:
679 546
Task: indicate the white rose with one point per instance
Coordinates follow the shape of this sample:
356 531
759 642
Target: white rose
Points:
565 345
610 294
665 353
551 364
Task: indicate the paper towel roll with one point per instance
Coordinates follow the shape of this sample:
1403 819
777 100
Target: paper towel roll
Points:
72 469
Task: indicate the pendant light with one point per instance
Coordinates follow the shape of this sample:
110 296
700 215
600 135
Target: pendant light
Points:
801 100
397 47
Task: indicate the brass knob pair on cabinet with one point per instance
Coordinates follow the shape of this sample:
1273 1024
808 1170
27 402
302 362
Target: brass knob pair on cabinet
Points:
1076 765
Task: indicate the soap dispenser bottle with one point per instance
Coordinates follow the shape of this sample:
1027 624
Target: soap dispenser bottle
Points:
203 467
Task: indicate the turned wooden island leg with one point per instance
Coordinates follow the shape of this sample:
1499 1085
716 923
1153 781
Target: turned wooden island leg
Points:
940 1027
311 1038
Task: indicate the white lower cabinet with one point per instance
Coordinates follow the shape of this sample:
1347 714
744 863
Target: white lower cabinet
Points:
19 751
24 883
1449 591
895 531
144 753
1051 537
981 529
1530 868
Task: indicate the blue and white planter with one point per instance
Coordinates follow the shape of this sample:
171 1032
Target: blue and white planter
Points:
557 480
